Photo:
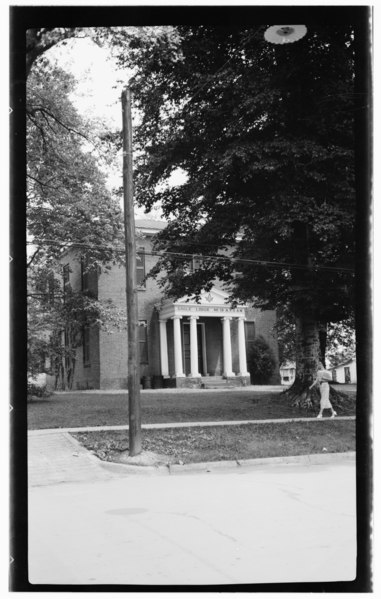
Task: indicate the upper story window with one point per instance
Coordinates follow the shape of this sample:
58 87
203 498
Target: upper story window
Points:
195 263
45 286
85 274
66 279
140 267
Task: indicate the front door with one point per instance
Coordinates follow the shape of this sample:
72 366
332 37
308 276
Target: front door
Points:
186 347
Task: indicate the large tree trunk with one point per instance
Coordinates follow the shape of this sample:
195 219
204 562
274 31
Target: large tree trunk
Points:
308 354
307 348
322 341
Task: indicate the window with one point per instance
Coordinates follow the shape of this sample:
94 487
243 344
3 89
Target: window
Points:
334 375
86 346
195 264
84 273
66 279
143 342
140 267
347 374
249 335
45 286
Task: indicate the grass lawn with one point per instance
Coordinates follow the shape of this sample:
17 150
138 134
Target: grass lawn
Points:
234 442
109 409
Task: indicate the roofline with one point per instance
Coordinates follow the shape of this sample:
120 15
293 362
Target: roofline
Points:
348 361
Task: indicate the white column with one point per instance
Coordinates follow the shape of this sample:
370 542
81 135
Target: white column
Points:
177 346
193 346
242 348
227 346
163 348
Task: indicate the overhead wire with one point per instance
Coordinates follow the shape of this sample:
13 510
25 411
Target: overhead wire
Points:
189 256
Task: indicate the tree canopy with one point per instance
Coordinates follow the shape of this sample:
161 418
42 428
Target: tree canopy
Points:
69 205
265 136
67 194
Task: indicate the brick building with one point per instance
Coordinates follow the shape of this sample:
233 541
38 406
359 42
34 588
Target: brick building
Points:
182 343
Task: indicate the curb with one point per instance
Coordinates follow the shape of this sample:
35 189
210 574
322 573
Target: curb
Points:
210 467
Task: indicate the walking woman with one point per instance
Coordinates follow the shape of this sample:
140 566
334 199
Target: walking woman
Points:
322 378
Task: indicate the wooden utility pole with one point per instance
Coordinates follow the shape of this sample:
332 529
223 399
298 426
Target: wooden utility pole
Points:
134 417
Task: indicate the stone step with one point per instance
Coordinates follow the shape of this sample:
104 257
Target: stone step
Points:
220 384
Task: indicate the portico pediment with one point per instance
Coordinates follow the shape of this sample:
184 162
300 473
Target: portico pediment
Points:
211 303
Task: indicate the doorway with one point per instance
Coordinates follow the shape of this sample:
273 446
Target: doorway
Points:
201 348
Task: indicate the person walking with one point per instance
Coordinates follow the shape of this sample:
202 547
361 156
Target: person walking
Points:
322 378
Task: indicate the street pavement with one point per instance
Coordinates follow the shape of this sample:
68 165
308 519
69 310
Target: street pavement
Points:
270 523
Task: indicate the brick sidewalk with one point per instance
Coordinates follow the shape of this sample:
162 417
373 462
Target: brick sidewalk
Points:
57 458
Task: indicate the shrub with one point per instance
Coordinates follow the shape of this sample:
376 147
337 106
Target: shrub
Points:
37 391
261 362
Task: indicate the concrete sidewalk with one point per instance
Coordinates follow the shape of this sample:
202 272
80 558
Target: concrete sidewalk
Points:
54 456
124 427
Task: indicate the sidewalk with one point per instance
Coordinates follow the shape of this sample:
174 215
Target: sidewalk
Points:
57 458
124 427
54 456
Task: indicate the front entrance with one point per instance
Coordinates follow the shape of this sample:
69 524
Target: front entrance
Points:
201 350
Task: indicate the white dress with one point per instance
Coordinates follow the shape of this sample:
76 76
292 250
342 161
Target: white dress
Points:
325 404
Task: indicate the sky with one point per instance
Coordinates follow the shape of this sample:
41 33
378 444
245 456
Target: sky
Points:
98 92
100 83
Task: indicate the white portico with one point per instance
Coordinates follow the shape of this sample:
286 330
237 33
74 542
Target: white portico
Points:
204 338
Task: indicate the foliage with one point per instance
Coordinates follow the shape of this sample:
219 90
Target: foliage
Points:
40 40
265 137
39 391
57 319
68 200
68 205
341 341
284 332
261 362
340 338
260 143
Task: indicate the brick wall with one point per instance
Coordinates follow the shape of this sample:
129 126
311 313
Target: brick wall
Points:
85 376
113 347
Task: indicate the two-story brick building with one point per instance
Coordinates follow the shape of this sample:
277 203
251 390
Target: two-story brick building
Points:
182 343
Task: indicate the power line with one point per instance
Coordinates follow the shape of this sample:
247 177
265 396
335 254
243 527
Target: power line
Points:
206 257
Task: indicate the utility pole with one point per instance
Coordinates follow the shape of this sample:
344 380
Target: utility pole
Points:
134 416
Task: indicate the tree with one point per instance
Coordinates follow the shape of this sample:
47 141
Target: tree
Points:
56 321
68 206
337 340
265 136
67 196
